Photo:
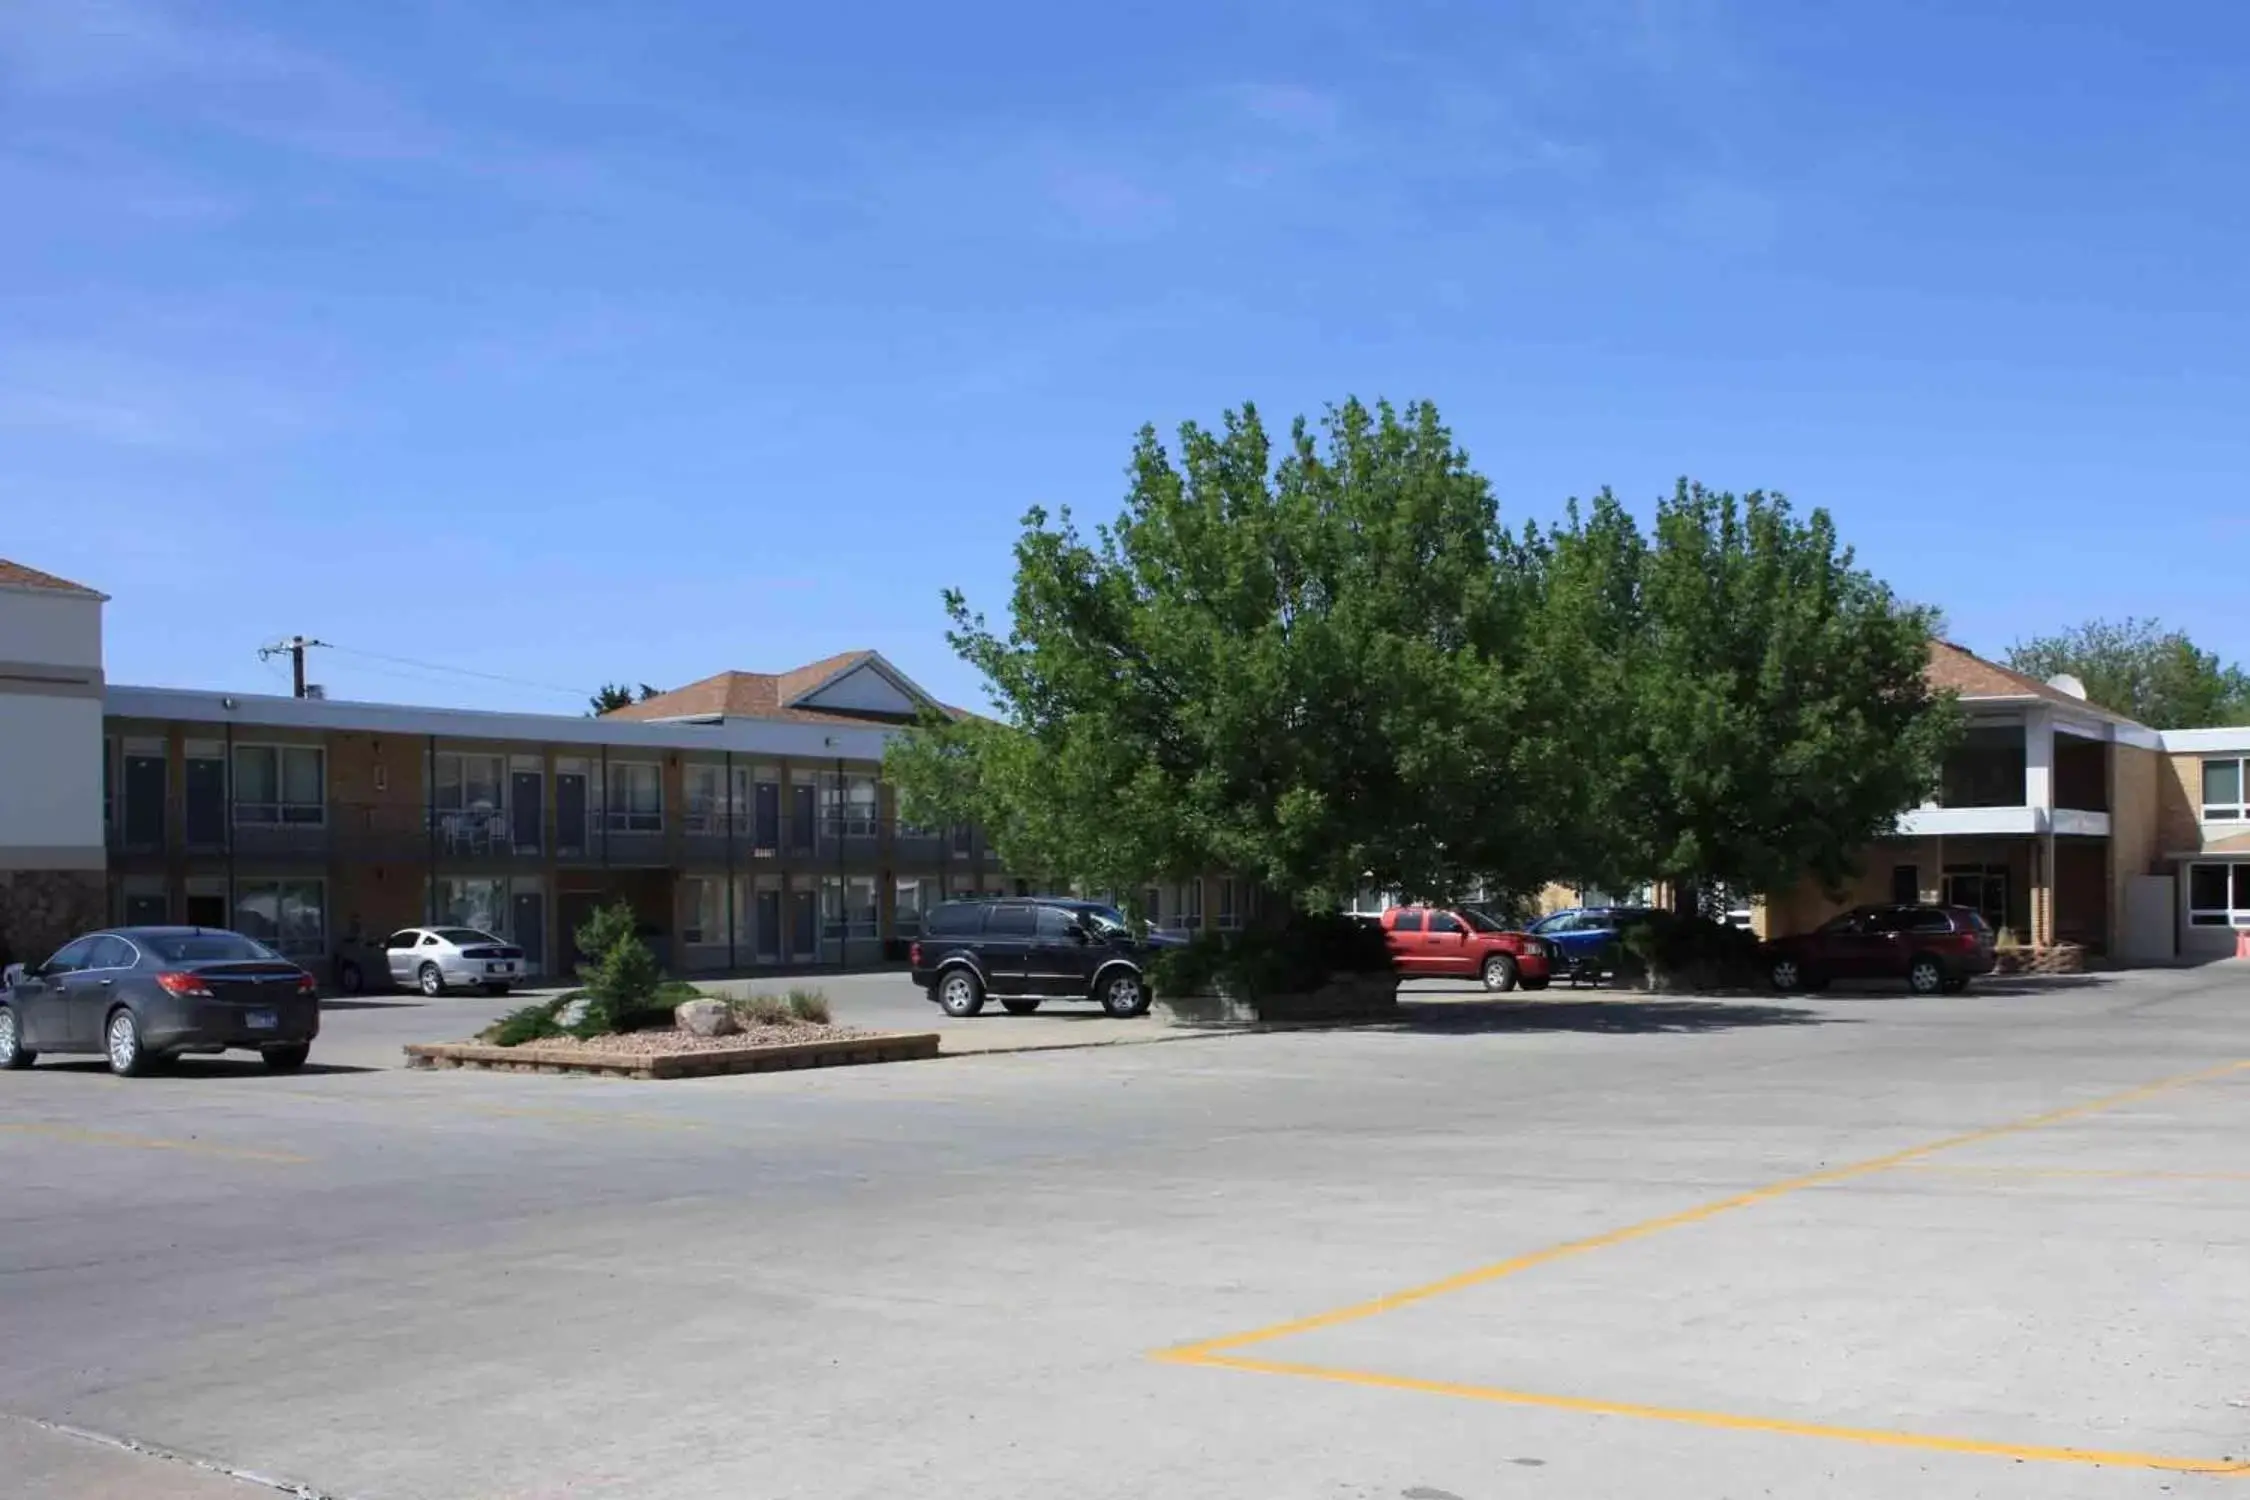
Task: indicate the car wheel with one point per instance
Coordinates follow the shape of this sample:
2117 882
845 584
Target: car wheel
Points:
1499 972
1019 1007
1786 975
14 1054
431 980
286 1059
121 1040
1123 995
958 993
349 979
1926 976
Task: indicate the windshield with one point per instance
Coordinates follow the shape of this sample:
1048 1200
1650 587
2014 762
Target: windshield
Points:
206 947
1108 921
462 937
1848 922
1480 921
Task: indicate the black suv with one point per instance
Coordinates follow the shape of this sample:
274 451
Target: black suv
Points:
1021 952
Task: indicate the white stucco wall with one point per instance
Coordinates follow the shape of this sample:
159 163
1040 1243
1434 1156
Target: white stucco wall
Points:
50 730
50 782
41 627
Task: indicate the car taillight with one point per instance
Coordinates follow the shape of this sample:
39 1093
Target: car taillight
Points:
173 982
305 985
914 955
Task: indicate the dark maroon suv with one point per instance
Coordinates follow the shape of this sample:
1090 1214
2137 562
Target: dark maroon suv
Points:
1935 949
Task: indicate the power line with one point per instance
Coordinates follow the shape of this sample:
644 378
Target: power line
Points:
431 666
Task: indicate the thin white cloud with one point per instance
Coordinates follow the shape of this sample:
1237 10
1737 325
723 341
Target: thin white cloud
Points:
119 400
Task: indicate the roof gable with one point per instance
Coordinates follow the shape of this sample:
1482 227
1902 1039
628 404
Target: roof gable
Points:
855 687
15 575
1955 669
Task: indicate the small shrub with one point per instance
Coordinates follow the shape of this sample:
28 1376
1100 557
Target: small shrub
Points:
1293 959
531 1023
677 992
1690 952
2007 939
809 1005
623 982
763 1010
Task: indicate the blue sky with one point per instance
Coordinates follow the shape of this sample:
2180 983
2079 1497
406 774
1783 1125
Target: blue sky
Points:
578 341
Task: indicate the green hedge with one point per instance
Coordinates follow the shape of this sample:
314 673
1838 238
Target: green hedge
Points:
1293 959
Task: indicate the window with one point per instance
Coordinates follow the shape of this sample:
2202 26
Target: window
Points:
958 919
1925 919
2223 799
848 805
847 908
280 784
467 937
636 798
1850 921
703 911
1011 921
112 953
1056 924
704 787
473 901
1152 906
911 898
70 958
468 783
1195 902
1444 921
208 947
288 916
1227 918
405 939
2219 895
1906 884
1407 921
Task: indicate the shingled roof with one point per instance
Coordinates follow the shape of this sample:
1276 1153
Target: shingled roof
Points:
778 695
1956 669
14 575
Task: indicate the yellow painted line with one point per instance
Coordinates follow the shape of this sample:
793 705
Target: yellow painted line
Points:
153 1143
1723 1421
1481 1275
2090 1174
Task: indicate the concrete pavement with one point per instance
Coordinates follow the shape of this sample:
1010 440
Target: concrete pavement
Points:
1867 1246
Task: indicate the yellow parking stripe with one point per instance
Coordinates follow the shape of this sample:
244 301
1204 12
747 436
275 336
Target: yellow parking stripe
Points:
1732 1422
1481 1275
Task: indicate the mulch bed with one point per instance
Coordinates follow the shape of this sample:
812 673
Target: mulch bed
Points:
678 1054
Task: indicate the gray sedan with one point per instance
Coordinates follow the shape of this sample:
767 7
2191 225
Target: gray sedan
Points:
142 996
436 959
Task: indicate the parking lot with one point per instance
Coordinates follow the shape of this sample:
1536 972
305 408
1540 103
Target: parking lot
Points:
1861 1245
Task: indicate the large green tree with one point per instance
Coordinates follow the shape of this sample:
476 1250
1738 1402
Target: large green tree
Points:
1290 665
2135 667
1751 705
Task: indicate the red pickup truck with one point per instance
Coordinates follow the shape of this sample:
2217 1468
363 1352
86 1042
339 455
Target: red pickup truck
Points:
1443 942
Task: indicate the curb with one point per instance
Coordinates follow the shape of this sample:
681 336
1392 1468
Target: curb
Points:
532 1058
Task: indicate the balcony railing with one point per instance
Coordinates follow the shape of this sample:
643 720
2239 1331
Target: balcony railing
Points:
505 835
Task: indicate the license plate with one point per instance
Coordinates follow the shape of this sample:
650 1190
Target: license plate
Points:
500 968
262 1020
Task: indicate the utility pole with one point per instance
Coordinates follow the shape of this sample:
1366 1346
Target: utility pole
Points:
294 648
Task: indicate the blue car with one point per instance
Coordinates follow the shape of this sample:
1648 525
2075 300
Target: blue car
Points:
1587 935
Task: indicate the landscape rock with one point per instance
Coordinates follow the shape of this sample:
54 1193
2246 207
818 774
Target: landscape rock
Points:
705 1018
573 1013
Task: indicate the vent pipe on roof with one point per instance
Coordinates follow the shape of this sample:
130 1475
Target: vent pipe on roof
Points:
2064 682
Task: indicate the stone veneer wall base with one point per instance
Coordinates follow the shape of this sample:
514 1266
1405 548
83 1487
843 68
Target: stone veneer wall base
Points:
40 910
